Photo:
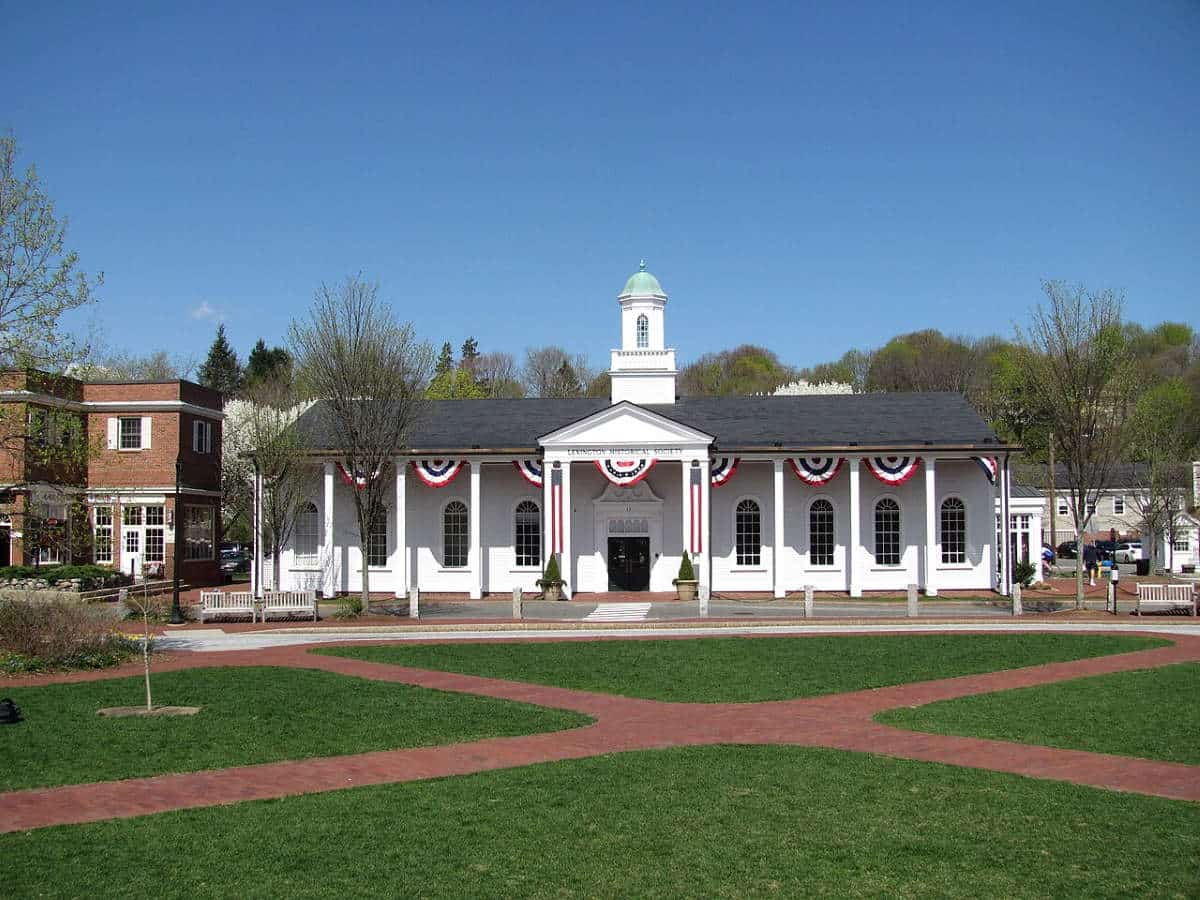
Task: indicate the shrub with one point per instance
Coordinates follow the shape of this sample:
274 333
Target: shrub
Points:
37 635
686 571
1023 573
348 607
552 576
92 576
158 606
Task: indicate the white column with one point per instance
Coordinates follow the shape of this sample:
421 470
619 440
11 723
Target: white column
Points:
704 568
256 573
853 585
547 514
932 554
777 512
568 569
399 564
1006 529
474 556
328 550
685 521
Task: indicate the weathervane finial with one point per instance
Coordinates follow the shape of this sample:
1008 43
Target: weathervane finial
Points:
642 266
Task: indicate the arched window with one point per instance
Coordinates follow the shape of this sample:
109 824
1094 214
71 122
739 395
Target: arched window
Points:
527 538
887 532
643 332
954 531
455 534
748 533
307 537
820 533
377 541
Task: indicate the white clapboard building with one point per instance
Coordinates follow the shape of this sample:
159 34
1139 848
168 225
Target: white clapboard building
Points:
848 493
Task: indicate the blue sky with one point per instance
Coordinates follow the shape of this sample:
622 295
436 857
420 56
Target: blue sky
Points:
807 177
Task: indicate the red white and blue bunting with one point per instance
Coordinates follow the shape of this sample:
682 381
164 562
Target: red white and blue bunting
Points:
816 470
989 465
722 468
358 479
624 472
893 470
531 471
436 473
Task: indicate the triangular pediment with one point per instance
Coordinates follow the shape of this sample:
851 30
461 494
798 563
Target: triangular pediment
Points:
625 425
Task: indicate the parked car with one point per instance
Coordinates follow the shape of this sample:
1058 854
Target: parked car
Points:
1129 552
1106 549
234 561
1068 550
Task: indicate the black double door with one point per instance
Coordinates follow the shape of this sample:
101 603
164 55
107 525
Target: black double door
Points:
629 563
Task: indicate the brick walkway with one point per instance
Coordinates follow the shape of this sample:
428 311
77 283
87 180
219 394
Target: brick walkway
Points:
841 721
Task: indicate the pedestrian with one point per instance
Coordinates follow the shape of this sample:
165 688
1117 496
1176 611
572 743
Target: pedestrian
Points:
1091 561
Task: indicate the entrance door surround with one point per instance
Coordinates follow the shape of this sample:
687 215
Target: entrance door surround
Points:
621 512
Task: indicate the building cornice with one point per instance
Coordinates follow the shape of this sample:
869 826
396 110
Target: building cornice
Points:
110 405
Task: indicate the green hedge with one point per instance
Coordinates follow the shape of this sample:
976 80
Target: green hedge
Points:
93 576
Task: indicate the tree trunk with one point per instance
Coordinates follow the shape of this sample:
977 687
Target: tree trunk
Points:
276 555
146 654
366 583
1078 569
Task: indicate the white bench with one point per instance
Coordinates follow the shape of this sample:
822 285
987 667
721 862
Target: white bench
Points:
219 603
289 603
1166 596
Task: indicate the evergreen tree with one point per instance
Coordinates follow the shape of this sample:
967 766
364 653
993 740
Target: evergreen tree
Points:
221 370
470 354
445 363
267 365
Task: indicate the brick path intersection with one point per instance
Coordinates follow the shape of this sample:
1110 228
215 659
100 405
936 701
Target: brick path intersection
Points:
840 721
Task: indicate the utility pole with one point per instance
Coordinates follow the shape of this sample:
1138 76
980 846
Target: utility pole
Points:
1053 542
176 613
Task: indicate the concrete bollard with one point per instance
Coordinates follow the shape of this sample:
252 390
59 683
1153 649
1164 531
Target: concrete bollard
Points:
913 611
1016 600
516 603
414 604
808 601
702 594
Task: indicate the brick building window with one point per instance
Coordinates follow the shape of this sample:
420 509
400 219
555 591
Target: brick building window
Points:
197 532
130 433
103 540
155 541
201 436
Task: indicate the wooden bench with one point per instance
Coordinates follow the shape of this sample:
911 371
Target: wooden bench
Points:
1166 596
219 603
289 603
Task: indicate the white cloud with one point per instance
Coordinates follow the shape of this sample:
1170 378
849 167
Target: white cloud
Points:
206 313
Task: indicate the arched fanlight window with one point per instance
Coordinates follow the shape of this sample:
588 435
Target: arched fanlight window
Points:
527 537
887 532
954 531
455 534
643 332
748 533
820 533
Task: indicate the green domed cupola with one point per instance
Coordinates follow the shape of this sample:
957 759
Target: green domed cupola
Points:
642 282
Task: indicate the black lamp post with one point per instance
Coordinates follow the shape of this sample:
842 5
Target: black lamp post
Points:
176 613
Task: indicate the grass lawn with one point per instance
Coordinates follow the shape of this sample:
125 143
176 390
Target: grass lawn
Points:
734 669
1151 713
250 715
710 821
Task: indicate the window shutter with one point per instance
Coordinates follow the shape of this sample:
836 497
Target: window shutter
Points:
146 420
112 434
197 440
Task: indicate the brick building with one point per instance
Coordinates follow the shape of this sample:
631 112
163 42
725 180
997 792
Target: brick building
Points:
88 472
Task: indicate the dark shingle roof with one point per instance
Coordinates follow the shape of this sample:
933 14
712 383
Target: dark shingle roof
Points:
737 423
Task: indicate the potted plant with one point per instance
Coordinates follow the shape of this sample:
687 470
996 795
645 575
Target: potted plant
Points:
685 584
551 581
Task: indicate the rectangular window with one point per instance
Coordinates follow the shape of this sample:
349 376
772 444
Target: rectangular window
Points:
155 541
103 537
132 515
130 433
1063 508
377 542
1091 508
51 555
197 532
201 436
133 541
307 537
1118 506
1181 544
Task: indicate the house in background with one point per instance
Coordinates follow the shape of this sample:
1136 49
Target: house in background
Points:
109 452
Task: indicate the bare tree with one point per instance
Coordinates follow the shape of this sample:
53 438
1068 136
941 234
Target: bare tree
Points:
498 375
551 372
39 279
1078 374
369 372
